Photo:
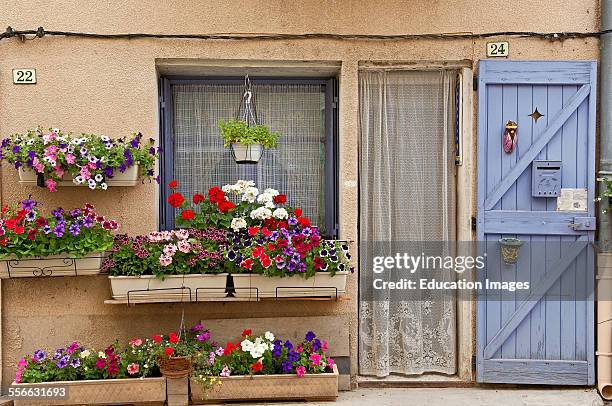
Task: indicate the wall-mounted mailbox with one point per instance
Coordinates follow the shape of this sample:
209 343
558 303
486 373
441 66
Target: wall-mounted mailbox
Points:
545 178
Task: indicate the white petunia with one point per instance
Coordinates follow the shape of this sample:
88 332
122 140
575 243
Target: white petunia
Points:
79 180
84 354
103 185
269 336
92 184
99 178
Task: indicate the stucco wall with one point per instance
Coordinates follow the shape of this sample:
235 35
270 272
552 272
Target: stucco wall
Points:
110 87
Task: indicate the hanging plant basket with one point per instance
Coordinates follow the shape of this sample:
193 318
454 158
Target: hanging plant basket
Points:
510 248
174 367
246 154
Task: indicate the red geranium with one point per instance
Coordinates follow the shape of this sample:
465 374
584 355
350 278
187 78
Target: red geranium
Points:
304 222
282 224
216 195
256 367
173 338
11 224
266 232
176 199
247 263
225 206
253 230
297 212
4 241
280 199
188 214
247 332
169 351
158 339
198 198
19 230
173 184
229 348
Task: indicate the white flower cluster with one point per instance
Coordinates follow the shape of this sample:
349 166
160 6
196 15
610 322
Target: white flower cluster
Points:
251 194
258 347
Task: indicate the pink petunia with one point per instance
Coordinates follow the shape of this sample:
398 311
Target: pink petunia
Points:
133 369
315 358
301 371
51 185
70 159
136 342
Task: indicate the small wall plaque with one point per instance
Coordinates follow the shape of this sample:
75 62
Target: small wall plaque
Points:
572 200
498 49
24 76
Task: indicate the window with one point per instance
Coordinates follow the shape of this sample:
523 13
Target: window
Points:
304 165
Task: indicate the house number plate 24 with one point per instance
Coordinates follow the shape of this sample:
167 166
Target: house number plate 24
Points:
24 76
498 49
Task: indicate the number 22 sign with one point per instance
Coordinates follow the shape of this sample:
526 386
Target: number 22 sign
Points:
24 76
498 49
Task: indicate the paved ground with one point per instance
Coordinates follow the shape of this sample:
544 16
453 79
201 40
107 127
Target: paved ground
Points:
463 397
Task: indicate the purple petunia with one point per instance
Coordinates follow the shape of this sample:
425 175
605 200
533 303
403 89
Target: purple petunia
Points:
74 229
150 172
152 150
316 344
302 267
75 213
59 229
31 216
122 167
288 345
310 336
293 356
63 362
88 222
39 355
292 221
75 363
17 164
197 327
58 353
28 204
32 154
16 149
287 366
134 143
109 172
5 142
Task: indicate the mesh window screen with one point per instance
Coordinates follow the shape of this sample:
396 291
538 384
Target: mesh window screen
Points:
295 167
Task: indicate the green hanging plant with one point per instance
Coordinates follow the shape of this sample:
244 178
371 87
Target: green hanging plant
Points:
237 131
606 193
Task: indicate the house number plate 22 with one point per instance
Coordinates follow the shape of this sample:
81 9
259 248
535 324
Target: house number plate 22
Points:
498 49
24 76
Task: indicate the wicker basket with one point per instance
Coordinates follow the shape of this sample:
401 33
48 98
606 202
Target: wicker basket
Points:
174 367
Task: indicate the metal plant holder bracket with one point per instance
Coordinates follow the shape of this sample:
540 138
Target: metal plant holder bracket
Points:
247 112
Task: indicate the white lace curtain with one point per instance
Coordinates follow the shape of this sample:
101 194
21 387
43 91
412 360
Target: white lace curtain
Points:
407 193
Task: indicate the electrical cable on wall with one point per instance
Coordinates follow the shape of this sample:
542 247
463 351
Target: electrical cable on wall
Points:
553 36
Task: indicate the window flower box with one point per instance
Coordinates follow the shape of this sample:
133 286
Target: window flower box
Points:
143 391
95 161
173 288
128 178
53 265
268 388
321 284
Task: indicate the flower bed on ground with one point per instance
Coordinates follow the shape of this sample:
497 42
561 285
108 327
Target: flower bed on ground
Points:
90 159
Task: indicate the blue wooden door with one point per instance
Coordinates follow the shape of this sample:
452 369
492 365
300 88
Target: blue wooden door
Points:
543 335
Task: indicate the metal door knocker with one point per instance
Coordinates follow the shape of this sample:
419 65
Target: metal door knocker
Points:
510 136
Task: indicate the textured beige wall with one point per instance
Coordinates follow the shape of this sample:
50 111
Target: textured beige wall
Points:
110 86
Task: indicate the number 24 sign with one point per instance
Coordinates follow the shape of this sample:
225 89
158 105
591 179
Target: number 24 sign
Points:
498 49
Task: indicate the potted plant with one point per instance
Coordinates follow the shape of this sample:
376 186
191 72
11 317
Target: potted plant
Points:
63 242
53 158
175 353
261 368
247 141
273 249
74 375
178 265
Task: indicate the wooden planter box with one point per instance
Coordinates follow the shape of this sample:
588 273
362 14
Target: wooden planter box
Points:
53 265
147 391
320 285
268 387
148 288
128 178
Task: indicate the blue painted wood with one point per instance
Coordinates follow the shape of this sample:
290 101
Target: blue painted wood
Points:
537 146
534 337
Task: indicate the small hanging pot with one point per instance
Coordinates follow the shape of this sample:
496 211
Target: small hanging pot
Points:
510 249
174 367
246 154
